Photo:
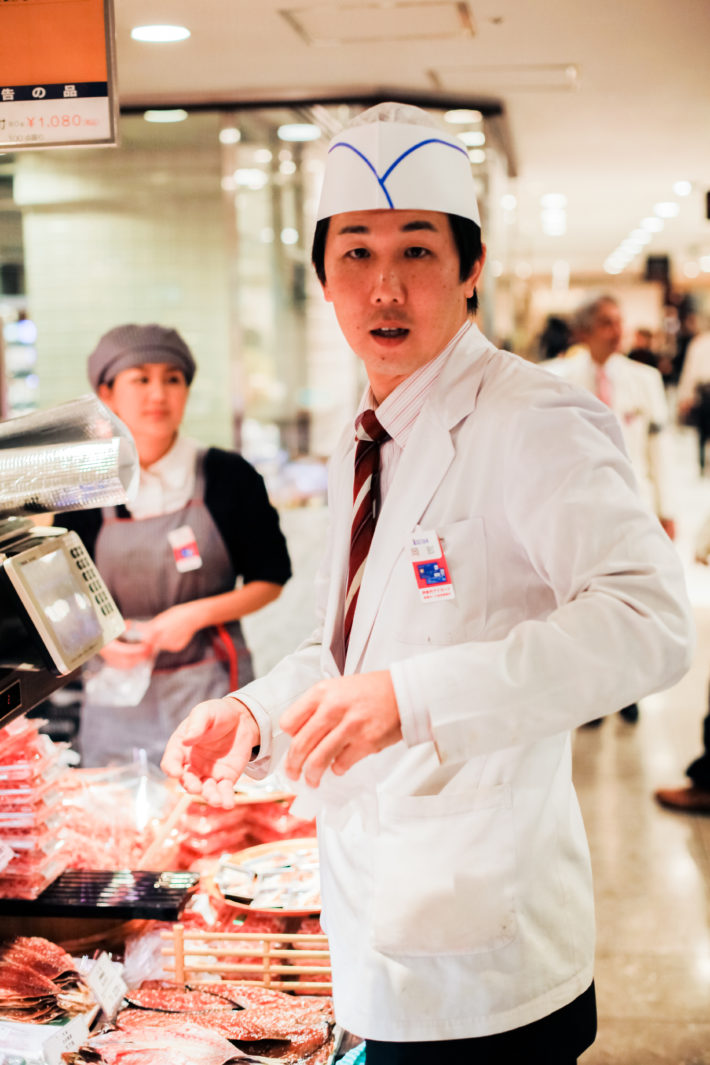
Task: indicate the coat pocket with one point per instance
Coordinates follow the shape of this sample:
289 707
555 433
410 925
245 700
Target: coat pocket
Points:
444 877
442 622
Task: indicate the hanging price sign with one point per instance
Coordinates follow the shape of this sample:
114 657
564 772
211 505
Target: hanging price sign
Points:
57 75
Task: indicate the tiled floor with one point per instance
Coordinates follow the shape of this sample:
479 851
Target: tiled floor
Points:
651 866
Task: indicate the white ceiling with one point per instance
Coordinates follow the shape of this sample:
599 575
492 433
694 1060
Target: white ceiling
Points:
606 102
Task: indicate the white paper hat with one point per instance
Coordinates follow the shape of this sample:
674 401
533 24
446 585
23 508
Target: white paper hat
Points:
394 156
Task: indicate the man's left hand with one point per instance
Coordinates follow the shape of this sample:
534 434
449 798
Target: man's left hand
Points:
339 721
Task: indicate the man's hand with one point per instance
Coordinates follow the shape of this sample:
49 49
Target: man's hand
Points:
208 751
339 721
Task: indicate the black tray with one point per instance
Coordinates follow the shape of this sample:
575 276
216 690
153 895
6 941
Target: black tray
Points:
123 893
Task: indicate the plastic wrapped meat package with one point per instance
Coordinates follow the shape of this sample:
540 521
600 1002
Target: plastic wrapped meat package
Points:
54 818
112 816
30 811
210 831
273 877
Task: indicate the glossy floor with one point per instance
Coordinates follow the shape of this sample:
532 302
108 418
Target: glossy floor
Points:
651 866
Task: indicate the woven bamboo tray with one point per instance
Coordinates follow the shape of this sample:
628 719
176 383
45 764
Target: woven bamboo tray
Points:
282 961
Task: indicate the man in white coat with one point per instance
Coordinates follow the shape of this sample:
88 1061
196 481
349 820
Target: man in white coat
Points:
515 587
633 391
636 395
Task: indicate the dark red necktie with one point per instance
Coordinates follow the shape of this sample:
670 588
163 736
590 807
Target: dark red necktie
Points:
365 507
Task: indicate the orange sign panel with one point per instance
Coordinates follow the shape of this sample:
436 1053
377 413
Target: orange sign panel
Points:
52 40
56 72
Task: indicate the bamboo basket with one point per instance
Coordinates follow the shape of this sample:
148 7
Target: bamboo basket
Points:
283 960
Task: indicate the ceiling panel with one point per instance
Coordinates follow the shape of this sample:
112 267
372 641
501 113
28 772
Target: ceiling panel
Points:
402 20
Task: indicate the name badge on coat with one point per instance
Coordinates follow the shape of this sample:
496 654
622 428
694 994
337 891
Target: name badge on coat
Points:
185 550
431 570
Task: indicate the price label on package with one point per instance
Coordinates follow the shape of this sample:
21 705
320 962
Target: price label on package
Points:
106 982
66 1040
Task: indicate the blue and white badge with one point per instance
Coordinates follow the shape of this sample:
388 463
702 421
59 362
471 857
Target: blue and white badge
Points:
431 570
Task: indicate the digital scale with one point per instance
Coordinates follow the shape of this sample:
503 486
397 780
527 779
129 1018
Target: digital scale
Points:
55 612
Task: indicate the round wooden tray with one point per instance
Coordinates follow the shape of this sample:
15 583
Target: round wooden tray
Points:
305 843
246 798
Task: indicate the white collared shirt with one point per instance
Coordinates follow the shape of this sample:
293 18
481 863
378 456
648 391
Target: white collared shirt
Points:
397 414
168 484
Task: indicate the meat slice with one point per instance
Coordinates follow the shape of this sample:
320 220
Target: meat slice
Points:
173 998
42 957
20 981
192 1045
232 1024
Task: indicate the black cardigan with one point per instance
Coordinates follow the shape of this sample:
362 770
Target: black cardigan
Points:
235 496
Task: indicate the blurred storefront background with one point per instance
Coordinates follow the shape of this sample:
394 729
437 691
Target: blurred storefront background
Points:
203 219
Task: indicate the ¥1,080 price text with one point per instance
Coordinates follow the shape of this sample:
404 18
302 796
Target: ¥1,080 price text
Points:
58 121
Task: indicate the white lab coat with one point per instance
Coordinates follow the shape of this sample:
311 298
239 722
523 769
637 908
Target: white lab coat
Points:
638 399
455 874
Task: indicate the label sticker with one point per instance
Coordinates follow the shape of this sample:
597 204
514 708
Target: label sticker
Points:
67 1040
106 982
431 570
185 550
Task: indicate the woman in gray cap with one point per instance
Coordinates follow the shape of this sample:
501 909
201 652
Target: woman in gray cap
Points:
201 519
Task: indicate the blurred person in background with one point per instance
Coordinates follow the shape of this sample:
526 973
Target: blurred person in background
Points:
642 348
171 558
693 399
491 580
688 329
555 338
694 798
635 393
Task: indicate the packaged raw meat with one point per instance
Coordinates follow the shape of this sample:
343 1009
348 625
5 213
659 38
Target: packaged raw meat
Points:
273 877
29 885
20 732
34 767
111 816
33 854
39 815
30 800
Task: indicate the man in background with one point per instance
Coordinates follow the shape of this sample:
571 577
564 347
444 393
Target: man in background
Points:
634 392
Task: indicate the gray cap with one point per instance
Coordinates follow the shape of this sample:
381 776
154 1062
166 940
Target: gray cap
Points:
133 345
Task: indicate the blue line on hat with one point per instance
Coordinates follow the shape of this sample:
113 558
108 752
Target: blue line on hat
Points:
381 180
422 144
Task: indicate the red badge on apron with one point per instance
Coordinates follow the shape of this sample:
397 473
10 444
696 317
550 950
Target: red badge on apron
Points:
185 550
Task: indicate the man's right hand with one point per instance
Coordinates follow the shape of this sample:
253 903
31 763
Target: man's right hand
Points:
209 750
